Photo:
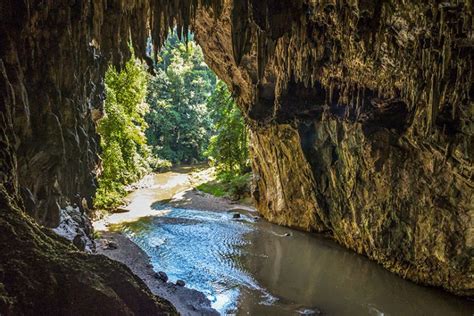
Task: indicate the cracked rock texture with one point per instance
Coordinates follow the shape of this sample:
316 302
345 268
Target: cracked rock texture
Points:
361 118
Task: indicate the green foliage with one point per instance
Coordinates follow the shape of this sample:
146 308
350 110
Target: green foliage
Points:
158 164
189 118
230 185
179 124
228 148
215 188
123 142
239 185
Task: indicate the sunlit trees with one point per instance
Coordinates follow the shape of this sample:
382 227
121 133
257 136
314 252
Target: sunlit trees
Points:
228 148
121 130
179 125
187 117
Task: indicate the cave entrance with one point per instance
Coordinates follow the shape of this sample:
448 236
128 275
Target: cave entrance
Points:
180 115
174 144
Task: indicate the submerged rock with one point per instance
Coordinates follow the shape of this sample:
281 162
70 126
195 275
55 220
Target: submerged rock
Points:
236 215
308 311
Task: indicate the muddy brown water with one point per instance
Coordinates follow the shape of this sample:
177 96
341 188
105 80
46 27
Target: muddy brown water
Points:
248 266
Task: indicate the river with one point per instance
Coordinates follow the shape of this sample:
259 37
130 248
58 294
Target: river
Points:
247 266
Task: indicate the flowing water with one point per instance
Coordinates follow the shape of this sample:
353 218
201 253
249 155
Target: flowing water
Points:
248 266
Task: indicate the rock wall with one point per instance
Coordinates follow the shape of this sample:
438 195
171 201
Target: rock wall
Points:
53 57
362 123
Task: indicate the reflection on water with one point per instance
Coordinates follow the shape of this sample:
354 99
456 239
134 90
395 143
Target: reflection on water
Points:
249 267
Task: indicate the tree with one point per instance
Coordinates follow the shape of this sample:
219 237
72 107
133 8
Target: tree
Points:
228 148
121 130
179 125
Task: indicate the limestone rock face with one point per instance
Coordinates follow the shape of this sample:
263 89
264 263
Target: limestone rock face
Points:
40 273
361 116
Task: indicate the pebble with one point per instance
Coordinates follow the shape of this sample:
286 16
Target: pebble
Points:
112 245
180 283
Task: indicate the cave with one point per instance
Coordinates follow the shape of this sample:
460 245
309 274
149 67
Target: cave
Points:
360 118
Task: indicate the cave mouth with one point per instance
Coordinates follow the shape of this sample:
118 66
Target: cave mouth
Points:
177 114
386 171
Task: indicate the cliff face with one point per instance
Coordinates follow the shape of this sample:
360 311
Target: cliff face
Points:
362 124
360 113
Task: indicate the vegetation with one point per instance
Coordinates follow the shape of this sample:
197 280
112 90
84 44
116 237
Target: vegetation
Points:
228 147
188 117
179 122
121 130
234 186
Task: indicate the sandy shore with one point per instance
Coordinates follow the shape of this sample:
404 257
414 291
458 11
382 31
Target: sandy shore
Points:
118 247
195 199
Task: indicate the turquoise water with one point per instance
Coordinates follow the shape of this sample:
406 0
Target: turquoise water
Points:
249 267
204 249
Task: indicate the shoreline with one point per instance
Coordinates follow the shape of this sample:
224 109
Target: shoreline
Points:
186 301
195 199
118 247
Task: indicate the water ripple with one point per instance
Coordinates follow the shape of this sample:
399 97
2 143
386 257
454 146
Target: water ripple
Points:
203 248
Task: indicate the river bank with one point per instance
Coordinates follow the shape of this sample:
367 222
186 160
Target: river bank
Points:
187 301
175 188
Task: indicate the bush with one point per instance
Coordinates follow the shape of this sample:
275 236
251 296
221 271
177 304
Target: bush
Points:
239 186
228 185
159 165
109 197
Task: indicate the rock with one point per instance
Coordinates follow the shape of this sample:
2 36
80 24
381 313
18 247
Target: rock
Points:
120 209
180 283
362 153
161 276
79 242
287 234
112 245
236 215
